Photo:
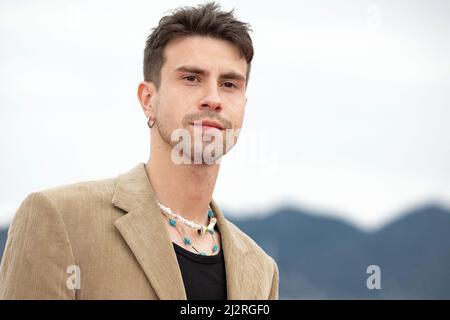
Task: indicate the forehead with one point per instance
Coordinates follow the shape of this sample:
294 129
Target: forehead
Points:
206 52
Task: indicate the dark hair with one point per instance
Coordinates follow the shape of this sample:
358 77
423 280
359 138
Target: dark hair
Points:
204 20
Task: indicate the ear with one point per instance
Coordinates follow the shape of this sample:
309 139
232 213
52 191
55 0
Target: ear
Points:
146 93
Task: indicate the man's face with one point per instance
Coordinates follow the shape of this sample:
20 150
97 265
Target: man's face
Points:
202 78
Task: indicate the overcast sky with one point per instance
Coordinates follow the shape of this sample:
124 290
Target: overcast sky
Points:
348 103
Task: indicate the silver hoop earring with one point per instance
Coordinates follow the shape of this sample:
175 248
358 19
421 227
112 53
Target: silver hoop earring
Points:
150 125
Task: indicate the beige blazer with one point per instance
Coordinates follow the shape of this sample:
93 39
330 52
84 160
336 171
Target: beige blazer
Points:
106 239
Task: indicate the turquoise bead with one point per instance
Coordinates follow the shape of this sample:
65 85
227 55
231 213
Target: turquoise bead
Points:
210 214
215 248
203 254
172 222
187 240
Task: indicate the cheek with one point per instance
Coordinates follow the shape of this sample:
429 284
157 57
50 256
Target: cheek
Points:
238 111
172 110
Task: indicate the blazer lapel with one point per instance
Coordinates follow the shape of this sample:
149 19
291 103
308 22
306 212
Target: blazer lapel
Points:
243 276
143 230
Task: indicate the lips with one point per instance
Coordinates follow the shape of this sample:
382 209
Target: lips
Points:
211 124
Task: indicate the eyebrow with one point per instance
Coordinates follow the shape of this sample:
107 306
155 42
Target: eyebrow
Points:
202 72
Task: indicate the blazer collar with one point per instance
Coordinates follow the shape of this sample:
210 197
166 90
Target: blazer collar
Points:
143 229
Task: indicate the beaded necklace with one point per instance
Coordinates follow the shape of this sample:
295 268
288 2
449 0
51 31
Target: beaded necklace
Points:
173 218
200 228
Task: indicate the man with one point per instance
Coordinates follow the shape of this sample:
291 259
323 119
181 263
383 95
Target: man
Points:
154 232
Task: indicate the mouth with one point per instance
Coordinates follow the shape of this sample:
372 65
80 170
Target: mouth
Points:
209 124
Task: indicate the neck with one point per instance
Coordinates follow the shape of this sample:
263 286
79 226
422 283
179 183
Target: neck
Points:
185 188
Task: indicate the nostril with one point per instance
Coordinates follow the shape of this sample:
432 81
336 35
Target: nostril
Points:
212 106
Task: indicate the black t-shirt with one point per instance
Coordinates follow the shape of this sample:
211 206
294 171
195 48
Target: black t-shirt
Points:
203 276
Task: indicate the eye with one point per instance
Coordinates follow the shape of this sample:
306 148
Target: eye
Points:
190 78
229 84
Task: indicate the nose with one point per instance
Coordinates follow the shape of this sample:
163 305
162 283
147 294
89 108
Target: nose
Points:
211 99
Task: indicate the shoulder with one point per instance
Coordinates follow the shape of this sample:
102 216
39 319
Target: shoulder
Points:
78 194
69 203
91 190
